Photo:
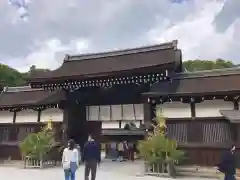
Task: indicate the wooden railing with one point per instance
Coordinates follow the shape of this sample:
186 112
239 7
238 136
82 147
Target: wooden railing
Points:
163 170
35 163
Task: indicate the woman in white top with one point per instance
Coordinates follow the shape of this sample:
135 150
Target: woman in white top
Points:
70 160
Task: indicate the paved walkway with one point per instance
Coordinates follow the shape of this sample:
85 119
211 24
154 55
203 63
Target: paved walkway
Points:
107 171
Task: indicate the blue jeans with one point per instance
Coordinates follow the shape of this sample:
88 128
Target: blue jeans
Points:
229 177
70 173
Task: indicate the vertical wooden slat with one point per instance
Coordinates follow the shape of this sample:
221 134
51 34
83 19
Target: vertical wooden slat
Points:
194 132
217 132
177 132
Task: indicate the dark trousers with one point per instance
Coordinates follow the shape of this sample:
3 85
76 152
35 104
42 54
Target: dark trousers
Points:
229 177
90 166
131 154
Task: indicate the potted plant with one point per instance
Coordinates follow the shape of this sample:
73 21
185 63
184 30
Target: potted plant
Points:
159 152
37 145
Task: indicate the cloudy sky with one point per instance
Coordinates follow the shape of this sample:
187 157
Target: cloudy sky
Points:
206 29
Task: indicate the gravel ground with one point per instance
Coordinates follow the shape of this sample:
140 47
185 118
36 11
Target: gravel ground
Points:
107 171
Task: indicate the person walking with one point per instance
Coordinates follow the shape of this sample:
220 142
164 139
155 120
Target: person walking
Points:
131 151
91 157
228 165
70 160
121 152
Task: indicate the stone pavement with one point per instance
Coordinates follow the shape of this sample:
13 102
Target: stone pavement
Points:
107 171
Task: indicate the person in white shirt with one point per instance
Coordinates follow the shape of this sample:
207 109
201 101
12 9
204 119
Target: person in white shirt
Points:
70 160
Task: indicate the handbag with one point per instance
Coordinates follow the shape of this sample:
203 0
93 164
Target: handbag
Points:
66 165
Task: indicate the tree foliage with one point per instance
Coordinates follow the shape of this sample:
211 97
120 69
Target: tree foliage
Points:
199 65
12 77
157 148
37 145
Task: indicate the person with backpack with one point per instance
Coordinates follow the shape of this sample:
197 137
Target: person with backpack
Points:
91 157
70 160
228 165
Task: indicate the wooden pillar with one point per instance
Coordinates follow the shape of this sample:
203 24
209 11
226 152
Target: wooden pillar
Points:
14 116
147 113
193 109
65 125
234 127
39 116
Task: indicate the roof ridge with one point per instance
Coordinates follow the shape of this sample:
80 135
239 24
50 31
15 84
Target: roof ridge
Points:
208 73
20 89
162 46
214 70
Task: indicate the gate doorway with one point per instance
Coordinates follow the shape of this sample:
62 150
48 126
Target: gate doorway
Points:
79 128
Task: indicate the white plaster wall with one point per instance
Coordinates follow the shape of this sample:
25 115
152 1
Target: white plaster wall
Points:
119 112
211 108
116 112
128 112
105 113
139 111
110 125
55 114
6 117
26 116
92 113
175 109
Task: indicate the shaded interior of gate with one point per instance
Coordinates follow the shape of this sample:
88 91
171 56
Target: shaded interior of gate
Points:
78 126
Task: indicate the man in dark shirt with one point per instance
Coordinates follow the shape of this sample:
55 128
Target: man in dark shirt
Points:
91 157
228 164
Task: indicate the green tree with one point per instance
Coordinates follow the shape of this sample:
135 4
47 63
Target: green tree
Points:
200 65
158 150
10 76
37 145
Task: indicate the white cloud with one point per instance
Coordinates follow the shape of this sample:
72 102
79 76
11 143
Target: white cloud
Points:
206 29
196 34
51 53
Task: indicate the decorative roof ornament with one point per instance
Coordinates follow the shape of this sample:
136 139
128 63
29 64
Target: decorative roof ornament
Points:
67 57
50 124
161 121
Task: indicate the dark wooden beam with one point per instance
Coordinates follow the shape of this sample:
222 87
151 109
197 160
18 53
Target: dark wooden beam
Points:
14 116
193 109
39 116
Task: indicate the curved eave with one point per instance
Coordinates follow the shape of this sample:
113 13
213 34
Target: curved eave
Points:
127 72
115 63
188 94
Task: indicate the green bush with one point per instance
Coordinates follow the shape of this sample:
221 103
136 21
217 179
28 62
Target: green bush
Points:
157 148
37 145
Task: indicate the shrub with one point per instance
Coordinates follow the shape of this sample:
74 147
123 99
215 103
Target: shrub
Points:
37 145
157 148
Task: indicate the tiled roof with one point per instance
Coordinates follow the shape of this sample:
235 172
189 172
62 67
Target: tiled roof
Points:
23 96
225 80
104 64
